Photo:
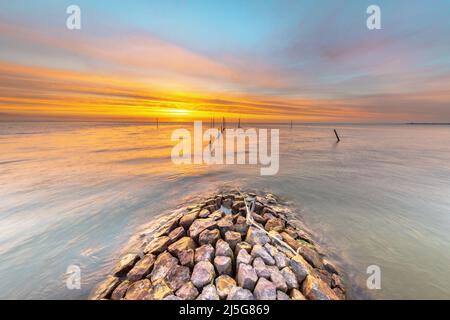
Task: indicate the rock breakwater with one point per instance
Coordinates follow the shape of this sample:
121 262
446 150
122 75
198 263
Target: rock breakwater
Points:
230 246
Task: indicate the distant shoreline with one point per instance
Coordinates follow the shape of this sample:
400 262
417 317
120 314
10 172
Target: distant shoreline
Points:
429 123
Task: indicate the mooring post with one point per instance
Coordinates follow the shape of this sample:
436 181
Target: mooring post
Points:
337 136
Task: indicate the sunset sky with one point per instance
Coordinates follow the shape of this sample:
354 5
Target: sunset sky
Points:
310 61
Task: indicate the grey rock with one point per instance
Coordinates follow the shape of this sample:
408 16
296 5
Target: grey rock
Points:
203 274
246 276
265 290
238 293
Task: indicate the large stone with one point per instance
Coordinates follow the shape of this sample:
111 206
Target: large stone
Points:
120 291
274 224
311 256
224 284
260 251
294 244
157 245
336 281
209 237
187 220
265 290
233 238
176 234
209 292
242 245
261 268
277 278
246 276
163 264
297 295
223 265
186 258
203 274
138 290
181 245
315 289
282 295
256 236
204 213
204 253
281 260
142 268
104 289
271 249
200 225
276 235
238 293
290 278
177 276
125 264
159 291
241 226
329 266
187 291
243 257
300 267
237 205
225 224
258 218
223 249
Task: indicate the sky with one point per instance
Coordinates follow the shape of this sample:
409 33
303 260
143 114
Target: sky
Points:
306 61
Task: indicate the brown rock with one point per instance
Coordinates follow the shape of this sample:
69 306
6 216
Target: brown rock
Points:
184 243
265 290
246 276
311 256
204 213
186 258
216 215
187 291
329 266
224 284
187 220
274 224
120 291
209 237
178 276
157 245
290 278
163 264
209 292
315 289
142 268
138 290
275 234
204 253
125 264
290 241
159 291
223 265
261 268
104 289
336 281
176 234
223 249
238 293
203 274
237 205
201 224
256 236
297 295
233 238
258 218
300 267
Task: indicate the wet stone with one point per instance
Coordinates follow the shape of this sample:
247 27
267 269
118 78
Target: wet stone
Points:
142 268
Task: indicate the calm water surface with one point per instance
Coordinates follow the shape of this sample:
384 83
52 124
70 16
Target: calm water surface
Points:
73 193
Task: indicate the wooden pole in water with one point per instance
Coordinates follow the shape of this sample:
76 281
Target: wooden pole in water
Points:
291 124
157 123
337 136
